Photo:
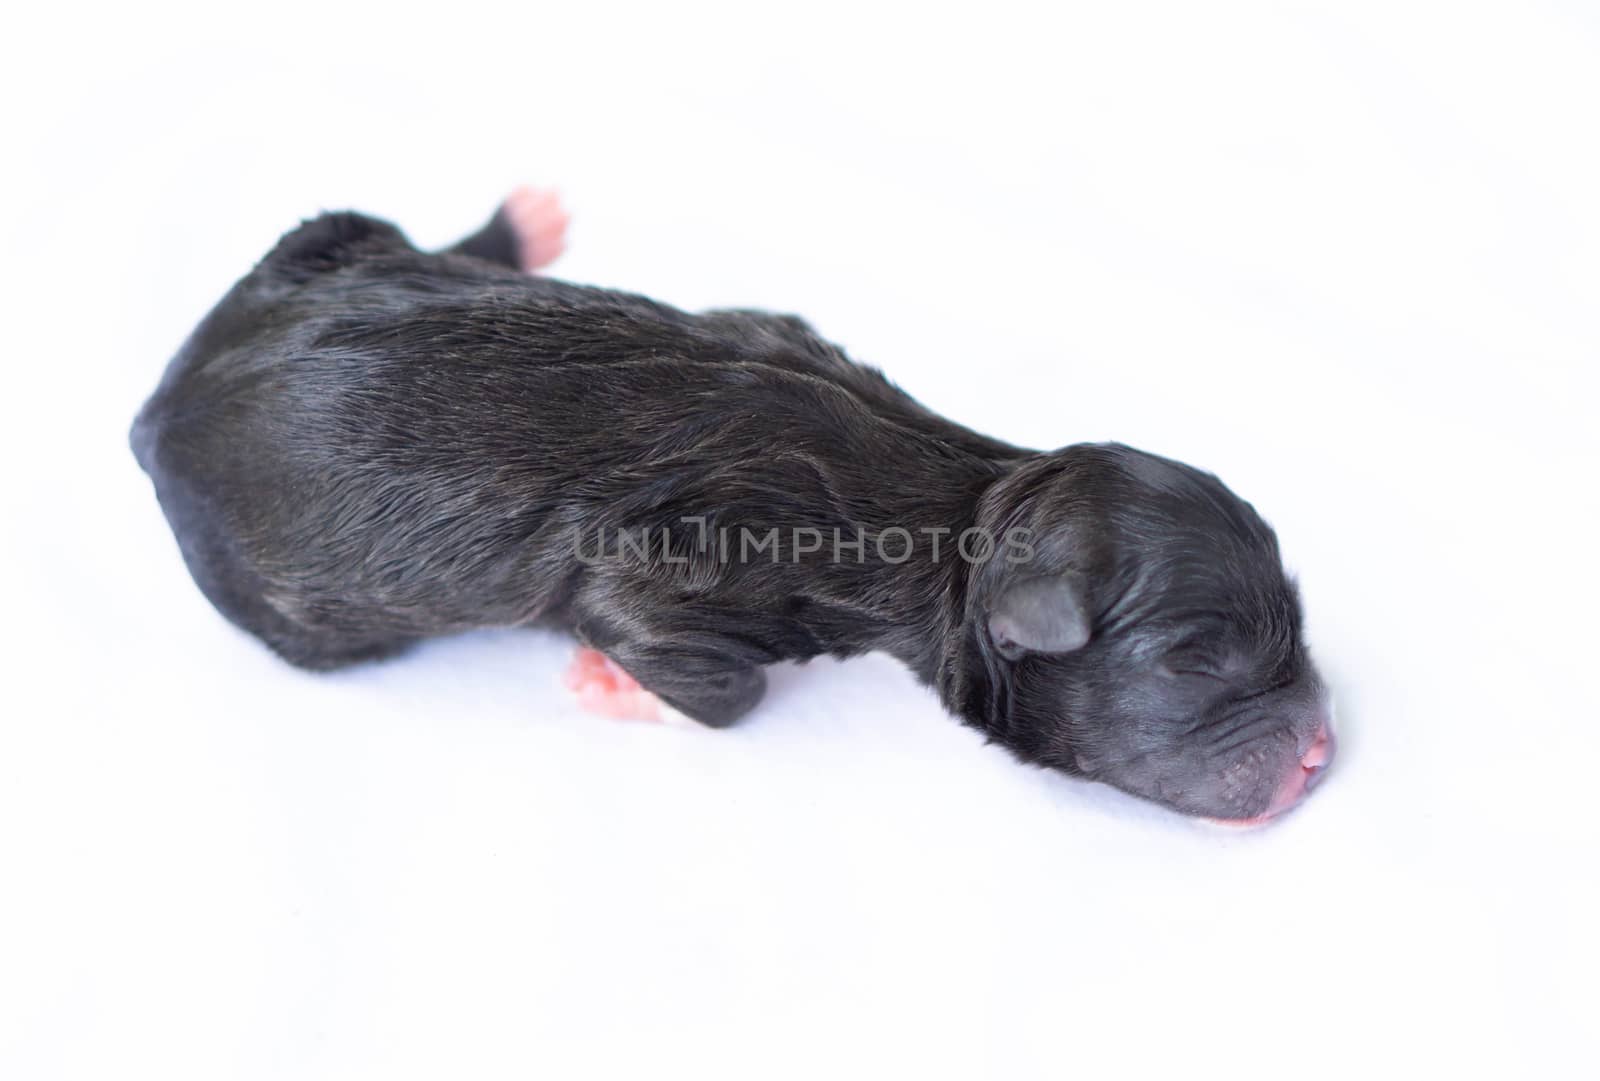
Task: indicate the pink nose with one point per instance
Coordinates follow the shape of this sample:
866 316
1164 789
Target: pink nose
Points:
1302 778
1320 753
1306 774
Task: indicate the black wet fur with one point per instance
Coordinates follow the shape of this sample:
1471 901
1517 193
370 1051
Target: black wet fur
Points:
364 445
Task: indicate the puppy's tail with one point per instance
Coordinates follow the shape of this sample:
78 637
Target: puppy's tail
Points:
329 242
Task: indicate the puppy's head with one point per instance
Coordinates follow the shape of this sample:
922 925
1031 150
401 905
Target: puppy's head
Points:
1144 634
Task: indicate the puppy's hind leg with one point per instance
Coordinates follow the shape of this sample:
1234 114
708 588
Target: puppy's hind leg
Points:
527 232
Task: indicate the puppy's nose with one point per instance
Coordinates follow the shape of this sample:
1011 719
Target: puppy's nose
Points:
1303 776
1306 774
1318 756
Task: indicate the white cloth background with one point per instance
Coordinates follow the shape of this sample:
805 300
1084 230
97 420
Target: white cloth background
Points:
1344 254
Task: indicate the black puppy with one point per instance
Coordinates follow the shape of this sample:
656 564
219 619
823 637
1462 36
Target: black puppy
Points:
364 445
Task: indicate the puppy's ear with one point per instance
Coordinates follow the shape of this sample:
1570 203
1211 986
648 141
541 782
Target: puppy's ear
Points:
1045 614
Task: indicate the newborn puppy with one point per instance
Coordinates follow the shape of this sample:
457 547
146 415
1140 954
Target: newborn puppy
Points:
364 445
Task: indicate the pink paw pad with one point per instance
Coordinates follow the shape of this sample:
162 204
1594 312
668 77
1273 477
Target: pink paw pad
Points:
603 687
540 223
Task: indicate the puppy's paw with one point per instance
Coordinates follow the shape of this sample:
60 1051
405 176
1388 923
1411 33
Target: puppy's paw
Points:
540 224
602 687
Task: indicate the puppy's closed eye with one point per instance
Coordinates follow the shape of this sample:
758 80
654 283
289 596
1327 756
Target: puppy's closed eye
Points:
1178 666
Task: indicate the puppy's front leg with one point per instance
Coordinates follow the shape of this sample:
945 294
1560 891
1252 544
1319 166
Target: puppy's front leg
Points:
646 683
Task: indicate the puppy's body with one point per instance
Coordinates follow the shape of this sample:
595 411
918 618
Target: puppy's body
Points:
364 445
